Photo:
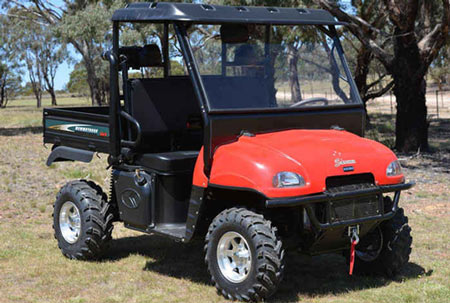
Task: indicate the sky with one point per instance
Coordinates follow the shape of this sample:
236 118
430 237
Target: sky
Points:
64 70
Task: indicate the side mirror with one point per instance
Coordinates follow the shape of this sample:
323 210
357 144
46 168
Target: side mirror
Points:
234 33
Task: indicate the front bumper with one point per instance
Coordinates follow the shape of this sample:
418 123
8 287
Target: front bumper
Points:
308 201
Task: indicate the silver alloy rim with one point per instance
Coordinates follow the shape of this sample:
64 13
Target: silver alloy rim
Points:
234 257
371 252
70 222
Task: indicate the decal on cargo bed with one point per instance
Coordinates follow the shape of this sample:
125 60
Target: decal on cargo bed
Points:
77 127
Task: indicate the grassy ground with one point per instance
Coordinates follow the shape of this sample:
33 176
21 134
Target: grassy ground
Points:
151 269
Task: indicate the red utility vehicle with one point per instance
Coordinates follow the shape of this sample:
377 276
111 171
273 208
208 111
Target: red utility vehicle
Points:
244 130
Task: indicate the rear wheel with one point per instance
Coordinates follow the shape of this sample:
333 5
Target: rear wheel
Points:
244 255
386 249
82 220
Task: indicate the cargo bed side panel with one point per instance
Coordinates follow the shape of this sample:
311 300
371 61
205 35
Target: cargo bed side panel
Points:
83 128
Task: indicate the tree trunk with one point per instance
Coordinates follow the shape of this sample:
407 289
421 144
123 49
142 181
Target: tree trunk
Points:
363 60
94 84
38 96
3 99
411 125
293 74
93 80
409 89
49 85
51 91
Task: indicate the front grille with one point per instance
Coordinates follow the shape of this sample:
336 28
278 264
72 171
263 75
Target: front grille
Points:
352 208
356 179
342 210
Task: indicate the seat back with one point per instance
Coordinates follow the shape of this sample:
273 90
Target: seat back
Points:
163 108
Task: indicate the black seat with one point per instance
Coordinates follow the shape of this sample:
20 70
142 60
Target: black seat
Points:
164 108
169 162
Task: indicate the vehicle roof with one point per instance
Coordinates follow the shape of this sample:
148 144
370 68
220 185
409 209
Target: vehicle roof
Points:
158 12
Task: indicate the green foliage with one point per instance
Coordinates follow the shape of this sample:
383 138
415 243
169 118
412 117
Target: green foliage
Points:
9 65
89 21
77 83
440 69
26 90
38 48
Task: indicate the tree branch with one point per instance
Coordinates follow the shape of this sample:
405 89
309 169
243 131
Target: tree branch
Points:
379 93
41 10
431 43
376 82
356 26
403 13
25 19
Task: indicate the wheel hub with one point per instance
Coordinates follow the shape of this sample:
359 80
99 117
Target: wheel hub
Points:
371 245
234 257
70 222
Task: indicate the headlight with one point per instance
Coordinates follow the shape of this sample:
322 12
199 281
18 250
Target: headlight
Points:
394 169
288 179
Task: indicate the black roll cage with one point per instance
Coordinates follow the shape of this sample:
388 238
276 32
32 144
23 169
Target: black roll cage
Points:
209 144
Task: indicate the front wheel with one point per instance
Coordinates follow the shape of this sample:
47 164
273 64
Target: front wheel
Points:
386 249
244 255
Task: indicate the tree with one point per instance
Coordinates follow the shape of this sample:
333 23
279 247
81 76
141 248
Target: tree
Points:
440 69
82 23
27 37
406 45
38 47
370 76
9 85
77 83
53 54
9 64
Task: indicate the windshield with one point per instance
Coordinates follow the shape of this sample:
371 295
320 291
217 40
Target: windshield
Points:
299 66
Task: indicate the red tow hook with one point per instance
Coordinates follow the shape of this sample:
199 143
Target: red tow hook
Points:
354 240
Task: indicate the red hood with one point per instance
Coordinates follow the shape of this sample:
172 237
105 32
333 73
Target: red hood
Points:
252 162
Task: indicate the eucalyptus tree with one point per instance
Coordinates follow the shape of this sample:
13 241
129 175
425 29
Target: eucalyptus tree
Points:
9 65
83 24
54 53
440 69
27 38
35 44
406 44
9 83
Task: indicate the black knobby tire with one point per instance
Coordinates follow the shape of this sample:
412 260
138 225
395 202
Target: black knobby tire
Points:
96 220
395 251
266 249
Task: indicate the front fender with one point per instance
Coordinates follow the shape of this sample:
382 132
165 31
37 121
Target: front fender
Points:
246 165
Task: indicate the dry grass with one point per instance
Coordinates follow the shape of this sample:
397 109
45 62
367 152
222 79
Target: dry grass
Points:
142 268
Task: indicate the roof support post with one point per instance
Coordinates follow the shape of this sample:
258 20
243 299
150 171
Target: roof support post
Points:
165 47
200 92
114 123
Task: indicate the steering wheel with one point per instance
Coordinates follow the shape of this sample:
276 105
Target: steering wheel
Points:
310 100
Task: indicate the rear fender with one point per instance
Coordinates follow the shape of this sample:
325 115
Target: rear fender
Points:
64 153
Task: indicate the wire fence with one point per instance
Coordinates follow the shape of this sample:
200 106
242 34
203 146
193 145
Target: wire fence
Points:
437 101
